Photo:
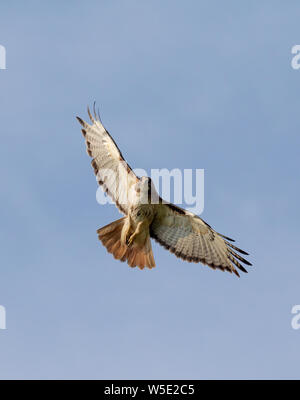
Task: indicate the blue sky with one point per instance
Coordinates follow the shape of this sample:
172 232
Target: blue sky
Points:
197 84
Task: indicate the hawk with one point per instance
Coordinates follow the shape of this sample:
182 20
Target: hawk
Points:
148 216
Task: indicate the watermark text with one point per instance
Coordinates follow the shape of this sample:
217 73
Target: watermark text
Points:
2 57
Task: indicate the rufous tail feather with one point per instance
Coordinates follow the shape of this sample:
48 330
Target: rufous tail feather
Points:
136 255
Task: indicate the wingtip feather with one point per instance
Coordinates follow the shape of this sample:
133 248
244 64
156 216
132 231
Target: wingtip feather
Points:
90 114
80 120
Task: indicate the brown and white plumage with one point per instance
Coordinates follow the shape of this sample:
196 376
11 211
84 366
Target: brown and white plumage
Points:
190 238
112 171
180 231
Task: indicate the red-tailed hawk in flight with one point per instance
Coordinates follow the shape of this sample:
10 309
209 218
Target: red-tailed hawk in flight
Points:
179 231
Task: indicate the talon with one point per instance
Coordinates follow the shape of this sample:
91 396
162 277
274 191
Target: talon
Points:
129 241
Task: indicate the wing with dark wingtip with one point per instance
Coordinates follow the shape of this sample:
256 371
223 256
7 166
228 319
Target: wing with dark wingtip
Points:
112 171
192 239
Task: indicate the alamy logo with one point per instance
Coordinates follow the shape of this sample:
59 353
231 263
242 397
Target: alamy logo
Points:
2 57
296 319
2 317
187 185
295 63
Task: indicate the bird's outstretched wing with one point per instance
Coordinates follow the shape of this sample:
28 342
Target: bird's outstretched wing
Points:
190 238
112 171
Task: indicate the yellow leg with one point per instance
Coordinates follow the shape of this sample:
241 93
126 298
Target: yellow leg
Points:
127 230
138 230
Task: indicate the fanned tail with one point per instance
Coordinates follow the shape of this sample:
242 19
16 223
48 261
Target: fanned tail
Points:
136 254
